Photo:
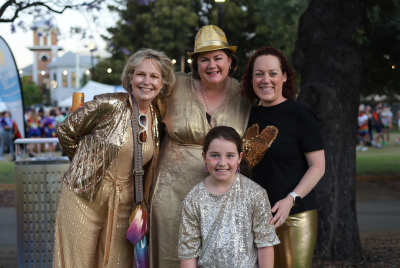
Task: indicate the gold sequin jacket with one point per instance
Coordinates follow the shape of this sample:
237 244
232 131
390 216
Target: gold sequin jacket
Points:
92 137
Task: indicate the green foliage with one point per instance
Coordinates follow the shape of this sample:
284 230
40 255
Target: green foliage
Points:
359 37
32 94
171 25
382 51
84 80
166 25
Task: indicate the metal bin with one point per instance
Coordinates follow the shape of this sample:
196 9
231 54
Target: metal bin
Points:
37 191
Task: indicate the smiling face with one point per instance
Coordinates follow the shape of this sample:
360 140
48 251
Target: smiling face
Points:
222 160
146 81
268 80
213 66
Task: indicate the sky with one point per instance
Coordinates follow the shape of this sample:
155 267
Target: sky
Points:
20 41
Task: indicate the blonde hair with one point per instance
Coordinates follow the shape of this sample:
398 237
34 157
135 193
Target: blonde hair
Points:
162 62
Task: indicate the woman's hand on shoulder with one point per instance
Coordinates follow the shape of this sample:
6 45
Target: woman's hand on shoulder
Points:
282 209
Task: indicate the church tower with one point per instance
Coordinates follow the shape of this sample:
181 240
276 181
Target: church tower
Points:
44 52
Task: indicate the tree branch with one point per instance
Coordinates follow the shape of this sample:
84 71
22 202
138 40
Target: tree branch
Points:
43 4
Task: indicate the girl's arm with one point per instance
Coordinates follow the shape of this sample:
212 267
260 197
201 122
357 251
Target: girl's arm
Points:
316 169
189 263
265 257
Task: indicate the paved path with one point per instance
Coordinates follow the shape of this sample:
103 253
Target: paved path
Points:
378 212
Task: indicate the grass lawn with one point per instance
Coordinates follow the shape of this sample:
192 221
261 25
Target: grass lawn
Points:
384 161
6 172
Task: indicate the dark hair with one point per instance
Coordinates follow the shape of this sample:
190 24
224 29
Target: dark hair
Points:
53 112
228 134
289 87
195 67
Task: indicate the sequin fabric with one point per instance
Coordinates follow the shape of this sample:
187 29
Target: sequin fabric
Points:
181 166
226 230
94 135
91 232
255 145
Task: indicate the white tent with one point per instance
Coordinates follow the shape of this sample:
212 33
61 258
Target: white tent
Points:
90 90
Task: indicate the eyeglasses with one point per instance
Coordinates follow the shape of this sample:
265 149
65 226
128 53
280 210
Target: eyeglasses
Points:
143 132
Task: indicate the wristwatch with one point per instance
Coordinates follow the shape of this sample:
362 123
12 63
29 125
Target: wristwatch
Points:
296 198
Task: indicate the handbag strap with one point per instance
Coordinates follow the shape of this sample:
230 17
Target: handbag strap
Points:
138 170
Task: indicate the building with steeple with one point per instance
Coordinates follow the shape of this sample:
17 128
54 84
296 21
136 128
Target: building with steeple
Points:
56 76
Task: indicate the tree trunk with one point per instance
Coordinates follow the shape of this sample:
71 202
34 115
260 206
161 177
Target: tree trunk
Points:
330 65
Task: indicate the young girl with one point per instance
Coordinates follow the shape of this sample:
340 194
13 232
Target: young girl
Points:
225 218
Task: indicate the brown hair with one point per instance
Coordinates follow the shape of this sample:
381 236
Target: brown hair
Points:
195 67
288 89
228 134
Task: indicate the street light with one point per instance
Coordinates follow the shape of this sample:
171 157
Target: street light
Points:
109 70
220 12
92 47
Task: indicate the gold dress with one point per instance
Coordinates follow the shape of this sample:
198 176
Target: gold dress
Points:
180 166
91 233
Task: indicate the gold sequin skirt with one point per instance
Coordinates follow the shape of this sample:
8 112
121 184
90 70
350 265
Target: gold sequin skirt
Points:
92 234
298 236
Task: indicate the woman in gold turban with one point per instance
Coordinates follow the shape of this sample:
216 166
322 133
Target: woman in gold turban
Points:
97 197
200 100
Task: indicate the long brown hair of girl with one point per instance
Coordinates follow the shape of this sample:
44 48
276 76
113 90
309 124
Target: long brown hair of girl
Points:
228 134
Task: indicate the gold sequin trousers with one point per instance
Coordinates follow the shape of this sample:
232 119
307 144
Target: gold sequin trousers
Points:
92 234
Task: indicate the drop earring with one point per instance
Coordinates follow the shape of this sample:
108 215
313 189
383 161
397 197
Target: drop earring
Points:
206 169
238 168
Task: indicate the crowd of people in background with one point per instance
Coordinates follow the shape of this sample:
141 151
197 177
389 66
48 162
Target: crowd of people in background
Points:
39 124
374 125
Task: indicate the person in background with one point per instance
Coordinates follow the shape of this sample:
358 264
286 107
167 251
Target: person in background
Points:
49 124
377 125
34 132
60 116
368 112
6 135
362 132
386 118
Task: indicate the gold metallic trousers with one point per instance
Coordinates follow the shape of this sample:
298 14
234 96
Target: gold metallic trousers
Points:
92 234
298 236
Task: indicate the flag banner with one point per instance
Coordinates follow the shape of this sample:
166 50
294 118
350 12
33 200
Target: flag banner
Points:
10 86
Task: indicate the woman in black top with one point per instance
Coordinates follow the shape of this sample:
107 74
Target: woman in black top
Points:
295 161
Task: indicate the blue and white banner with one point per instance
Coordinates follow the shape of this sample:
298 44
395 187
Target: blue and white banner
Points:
10 86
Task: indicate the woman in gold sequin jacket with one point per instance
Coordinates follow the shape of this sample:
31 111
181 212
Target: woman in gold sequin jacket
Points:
97 197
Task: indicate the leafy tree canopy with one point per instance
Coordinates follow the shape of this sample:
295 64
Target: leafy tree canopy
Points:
31 92
171 25
382 51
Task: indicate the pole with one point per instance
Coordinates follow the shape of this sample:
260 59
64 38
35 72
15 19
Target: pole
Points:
182 64
91 54
220 15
